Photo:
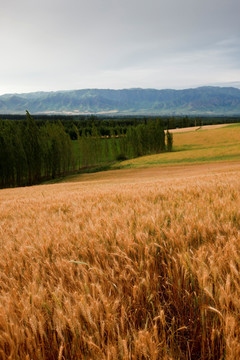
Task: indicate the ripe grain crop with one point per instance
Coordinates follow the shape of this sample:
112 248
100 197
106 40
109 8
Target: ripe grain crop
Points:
144 269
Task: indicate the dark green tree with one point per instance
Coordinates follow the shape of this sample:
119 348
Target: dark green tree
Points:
169 141
32 148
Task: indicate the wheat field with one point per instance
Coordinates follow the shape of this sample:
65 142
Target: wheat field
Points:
143 267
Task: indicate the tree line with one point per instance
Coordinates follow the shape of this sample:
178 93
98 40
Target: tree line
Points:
119 124
93 149
30 153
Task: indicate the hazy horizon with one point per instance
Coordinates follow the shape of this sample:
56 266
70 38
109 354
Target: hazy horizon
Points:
64 90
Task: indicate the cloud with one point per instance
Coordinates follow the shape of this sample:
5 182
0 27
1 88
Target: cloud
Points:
62 44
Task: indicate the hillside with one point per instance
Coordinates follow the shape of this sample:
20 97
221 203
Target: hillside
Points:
145 267
195 146
199 101
136 263
215 144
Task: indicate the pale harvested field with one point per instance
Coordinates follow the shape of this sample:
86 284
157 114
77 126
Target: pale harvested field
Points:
131 264
198 128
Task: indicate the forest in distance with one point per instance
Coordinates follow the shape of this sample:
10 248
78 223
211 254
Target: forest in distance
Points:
119 124
31 151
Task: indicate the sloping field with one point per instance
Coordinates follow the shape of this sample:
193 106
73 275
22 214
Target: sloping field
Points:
208 144
136 175
123 267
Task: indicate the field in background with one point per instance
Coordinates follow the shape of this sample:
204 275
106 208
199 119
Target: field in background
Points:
124 266
204 145
196 128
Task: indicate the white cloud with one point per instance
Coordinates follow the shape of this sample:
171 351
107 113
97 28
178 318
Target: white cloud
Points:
65 44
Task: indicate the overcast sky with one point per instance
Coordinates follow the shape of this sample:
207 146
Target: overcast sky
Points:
74 44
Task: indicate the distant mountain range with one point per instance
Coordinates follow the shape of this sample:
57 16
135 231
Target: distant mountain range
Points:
200 101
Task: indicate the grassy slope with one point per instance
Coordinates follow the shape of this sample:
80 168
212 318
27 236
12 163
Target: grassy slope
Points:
218 144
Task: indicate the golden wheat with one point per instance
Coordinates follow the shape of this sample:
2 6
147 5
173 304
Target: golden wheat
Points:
146 269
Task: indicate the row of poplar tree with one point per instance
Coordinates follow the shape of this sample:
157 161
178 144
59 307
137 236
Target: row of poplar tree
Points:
29 154
143 139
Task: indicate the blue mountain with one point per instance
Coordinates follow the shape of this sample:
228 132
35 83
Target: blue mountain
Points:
199 101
